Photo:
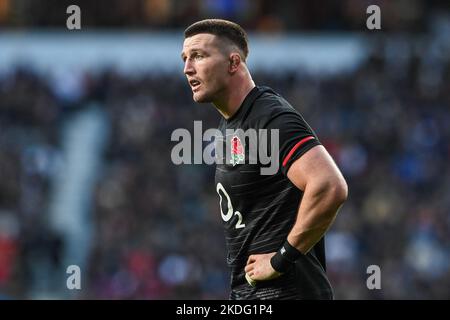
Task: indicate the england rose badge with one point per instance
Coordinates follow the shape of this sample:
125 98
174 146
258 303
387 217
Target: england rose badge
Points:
237 151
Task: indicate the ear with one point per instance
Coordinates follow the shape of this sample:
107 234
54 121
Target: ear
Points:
235 61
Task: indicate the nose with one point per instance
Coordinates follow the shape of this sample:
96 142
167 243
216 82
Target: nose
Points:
188 68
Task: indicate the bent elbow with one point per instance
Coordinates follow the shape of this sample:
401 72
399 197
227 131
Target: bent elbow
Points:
340 191
343 191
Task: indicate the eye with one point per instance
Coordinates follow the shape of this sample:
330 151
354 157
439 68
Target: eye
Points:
197 56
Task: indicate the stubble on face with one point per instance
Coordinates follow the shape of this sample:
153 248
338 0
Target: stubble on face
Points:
208 66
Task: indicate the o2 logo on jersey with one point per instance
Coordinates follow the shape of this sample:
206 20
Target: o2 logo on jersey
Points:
230 212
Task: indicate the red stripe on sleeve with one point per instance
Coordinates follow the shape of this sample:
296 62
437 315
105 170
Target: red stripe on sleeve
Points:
298 145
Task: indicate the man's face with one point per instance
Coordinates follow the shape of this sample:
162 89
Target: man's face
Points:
205 66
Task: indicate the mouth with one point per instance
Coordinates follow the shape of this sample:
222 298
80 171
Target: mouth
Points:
194 84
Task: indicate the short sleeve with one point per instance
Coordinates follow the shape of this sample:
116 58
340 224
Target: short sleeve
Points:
295 137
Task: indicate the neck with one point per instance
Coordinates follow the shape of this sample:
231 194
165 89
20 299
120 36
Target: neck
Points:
233 98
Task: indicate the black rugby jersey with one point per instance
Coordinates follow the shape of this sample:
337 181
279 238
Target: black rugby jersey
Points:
258 210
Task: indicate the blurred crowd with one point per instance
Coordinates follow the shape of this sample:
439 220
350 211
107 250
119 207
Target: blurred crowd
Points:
261 15
158 232
29 118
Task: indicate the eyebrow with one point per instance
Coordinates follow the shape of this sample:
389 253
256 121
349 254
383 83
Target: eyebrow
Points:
192 50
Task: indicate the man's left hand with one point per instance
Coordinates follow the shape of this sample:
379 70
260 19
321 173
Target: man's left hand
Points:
258 267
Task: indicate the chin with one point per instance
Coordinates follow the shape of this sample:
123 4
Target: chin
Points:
201 98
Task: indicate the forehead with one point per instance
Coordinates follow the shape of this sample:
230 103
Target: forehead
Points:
203 41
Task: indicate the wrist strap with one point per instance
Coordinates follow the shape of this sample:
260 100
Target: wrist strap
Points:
285 257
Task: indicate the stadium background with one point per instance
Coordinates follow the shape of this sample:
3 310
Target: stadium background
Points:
85 124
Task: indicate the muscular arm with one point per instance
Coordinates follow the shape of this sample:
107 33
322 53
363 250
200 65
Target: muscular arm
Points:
324 191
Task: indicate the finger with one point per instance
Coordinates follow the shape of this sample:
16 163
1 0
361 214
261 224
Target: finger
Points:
251 259
249 268
250 280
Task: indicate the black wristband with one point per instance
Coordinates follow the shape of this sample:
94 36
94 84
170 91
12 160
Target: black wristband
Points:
285 257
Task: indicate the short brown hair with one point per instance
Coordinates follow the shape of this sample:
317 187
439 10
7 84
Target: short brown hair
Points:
221 28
